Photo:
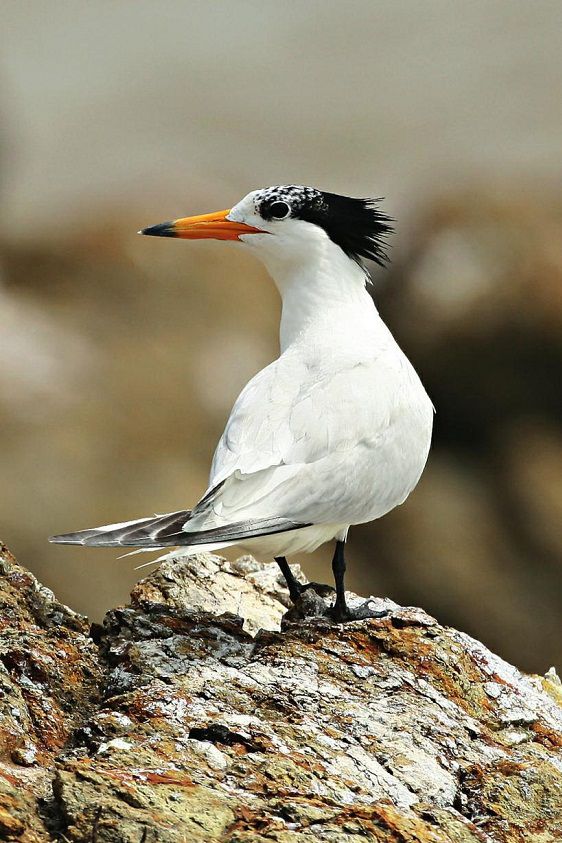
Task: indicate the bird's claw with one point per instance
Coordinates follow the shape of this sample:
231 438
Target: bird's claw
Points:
362 612
321 589
313 603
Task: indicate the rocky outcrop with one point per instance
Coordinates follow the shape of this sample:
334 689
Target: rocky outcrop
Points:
202 712
51 680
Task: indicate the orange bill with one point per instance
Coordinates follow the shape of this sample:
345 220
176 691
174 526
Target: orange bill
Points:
204 227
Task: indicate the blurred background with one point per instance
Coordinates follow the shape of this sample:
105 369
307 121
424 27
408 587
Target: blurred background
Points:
120 356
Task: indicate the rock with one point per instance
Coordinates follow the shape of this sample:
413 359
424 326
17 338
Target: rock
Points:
197 718
255 592
50 677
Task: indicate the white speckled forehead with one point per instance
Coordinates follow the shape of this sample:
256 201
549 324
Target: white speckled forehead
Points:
296 195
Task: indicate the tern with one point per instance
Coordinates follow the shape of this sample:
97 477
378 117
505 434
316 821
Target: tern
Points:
337 430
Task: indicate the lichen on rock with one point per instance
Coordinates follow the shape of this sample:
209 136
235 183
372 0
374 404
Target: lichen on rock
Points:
206 712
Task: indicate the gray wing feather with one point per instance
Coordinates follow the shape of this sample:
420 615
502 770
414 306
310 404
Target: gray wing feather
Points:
172 531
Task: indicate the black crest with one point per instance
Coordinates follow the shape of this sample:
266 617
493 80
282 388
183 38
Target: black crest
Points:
356 225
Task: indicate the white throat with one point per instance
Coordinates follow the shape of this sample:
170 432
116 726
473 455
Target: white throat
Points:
316 284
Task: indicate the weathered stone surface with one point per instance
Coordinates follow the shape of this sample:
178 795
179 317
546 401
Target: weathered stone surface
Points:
50 677
209 584
207 728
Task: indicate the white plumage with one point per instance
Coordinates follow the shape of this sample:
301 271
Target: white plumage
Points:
335 432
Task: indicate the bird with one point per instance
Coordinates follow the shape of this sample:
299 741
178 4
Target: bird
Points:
333 433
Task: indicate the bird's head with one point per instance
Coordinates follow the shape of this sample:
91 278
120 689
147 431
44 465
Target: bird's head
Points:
288 222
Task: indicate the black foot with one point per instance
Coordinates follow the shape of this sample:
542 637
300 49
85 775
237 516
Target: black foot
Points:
340 611
312 599
310 604
362 612
321 589
295 587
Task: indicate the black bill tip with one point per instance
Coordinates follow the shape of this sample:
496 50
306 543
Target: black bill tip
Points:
163 229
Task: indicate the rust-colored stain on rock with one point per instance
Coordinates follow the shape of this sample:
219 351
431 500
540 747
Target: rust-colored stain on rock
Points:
192 724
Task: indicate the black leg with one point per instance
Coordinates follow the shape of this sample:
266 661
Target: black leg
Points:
294 586
340 609
339 612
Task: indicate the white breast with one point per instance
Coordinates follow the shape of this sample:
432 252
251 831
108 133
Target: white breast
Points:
337 430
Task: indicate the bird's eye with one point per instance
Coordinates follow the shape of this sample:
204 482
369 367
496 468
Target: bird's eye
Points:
279 210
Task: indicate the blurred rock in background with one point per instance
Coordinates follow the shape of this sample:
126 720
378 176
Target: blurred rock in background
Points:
476 301
120 356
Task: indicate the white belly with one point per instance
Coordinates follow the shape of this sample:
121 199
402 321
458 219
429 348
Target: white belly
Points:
293 542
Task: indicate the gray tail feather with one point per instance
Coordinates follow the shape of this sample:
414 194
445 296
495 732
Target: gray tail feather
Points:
169 531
